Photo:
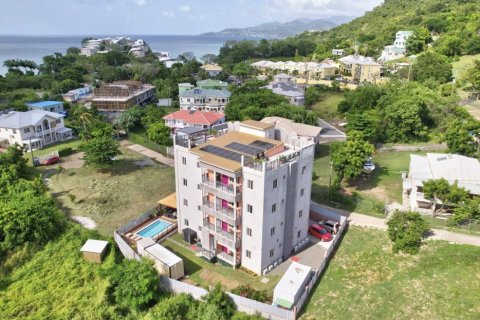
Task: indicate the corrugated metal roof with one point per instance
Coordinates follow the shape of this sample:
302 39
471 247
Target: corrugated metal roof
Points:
164 255
18 120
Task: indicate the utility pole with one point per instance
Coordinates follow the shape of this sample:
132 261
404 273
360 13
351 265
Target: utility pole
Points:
330 182
31 151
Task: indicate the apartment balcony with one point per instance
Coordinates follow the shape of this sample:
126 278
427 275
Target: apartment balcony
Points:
208 225
226 257
227 238
224 214
227 192
210 255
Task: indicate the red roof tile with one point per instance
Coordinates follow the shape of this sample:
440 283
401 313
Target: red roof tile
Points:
195 117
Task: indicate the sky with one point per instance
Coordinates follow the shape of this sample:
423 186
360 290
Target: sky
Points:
100 17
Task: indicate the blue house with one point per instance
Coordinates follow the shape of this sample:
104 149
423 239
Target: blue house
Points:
52 106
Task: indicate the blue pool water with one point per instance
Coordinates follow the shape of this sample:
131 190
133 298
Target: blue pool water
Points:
153 229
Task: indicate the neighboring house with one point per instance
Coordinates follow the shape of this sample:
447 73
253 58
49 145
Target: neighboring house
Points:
284 86
139 49
246 195
37 127
212 84
312 70
212 69
294 133
398 49
214 100
52 106
120 95
451 167
185 86
338 52
76 94
360 68
193 118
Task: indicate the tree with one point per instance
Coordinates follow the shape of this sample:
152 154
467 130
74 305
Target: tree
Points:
130 119
470 210
472 75
134 284
406 230
404 120
101 149
349 157
460 138
432 66
218 298
159 133
209 58
368 123
442 190
250 293
179 307
419 40
13 159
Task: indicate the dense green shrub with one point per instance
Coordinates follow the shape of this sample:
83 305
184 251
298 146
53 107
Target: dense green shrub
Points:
406 230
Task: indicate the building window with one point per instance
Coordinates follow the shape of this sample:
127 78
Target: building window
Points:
185 183
272 231
302 192
185 202
272 252
58 121
299 233
275 183
250 184
300 213
184 160
185 222
26 130
249 232
303 169
248 253
249 208
274 208
14 131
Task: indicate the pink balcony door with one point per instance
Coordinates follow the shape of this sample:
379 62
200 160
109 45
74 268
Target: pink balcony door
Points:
224 180
224 204
224 226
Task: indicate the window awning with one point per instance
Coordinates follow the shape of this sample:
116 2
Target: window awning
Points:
283 303
169 201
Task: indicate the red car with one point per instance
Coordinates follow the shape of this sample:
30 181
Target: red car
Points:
51 160
320 232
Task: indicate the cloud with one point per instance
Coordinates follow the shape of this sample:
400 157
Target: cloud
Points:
185 8
168 14
318 8
141 3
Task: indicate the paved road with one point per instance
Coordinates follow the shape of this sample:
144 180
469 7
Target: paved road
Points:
362 220
150 154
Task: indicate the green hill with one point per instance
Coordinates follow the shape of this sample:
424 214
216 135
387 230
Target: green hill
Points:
455 22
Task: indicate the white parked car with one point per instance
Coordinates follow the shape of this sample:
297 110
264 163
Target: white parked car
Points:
368 166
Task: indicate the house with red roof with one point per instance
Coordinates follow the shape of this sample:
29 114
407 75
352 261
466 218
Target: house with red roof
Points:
193 118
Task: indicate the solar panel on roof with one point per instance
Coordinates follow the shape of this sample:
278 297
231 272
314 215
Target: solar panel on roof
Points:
262 144
243 148
224 153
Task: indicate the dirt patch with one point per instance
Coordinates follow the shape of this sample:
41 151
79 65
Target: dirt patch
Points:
213 277
73 161
147 162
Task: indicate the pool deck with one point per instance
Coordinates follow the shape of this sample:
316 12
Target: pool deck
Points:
132 237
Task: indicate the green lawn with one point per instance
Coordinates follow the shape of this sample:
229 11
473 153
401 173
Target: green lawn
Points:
382 186
115 197
327 107
55 282
203 273
74 144
461 65
365 280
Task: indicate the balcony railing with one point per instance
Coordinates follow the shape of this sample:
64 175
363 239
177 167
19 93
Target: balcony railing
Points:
208 225
225 234
225 256
208 254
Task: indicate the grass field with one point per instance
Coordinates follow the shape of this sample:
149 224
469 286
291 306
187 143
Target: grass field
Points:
461 65
327 108
55 282
114 197
365 280
382 186
201 272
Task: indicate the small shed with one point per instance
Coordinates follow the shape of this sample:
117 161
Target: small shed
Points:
189 235
94 250
166 262
292 285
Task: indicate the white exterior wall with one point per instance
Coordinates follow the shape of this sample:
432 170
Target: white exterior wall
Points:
191 193
21 137
268 133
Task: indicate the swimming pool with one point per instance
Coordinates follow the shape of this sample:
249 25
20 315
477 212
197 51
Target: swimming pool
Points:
153 229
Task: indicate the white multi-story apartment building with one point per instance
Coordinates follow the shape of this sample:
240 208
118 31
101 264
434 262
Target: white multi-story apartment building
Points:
35 128
213 100
245 194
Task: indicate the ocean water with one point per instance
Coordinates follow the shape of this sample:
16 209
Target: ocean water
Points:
36 47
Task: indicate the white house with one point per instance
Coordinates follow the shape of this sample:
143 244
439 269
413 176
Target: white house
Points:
35 127
451 167
398 49
338 52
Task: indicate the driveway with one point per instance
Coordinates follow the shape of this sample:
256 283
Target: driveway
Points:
311 255
362 220
151 154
